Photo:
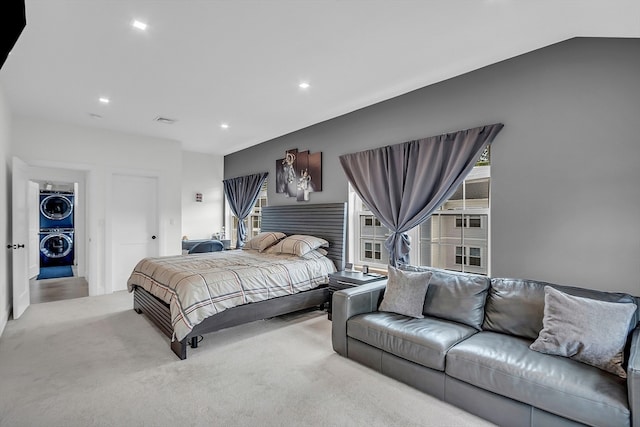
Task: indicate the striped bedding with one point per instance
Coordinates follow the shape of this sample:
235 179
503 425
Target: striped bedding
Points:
197 286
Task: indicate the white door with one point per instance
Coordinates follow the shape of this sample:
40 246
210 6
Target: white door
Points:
20 236
134 224
33 206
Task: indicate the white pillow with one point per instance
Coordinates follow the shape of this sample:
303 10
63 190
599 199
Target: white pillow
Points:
298 244
264 240
315 254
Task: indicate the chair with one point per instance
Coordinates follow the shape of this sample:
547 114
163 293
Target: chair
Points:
207 246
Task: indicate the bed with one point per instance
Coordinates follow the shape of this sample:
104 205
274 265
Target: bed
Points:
326 221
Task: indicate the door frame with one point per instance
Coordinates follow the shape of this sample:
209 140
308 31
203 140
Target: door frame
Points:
19 237
81 174
108 229
62 174
33 210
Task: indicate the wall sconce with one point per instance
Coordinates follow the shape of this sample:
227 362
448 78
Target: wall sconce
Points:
198 197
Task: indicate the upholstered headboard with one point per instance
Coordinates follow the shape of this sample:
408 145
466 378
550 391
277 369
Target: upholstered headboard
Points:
327 220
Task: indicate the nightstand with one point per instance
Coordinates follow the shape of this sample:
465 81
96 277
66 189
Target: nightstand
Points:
349 279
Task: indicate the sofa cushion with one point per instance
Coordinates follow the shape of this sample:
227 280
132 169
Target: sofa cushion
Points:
455 296
516 306
587 330
506 366
422 341
405 292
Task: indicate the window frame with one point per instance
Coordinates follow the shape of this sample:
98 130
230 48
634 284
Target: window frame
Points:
465 256
481 172
466 211
231 222
357 209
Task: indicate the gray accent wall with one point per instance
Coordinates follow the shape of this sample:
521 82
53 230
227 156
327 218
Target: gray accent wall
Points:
565 175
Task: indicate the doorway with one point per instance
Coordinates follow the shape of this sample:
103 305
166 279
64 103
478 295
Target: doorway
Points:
56 224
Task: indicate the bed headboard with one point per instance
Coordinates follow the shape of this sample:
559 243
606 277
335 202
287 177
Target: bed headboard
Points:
327 220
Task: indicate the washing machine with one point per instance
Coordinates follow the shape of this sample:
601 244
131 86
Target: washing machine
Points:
56 209
56 247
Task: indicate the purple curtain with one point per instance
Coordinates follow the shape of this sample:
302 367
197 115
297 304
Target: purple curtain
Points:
403 184
242 193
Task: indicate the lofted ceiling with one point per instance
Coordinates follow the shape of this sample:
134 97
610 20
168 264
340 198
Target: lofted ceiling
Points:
206 63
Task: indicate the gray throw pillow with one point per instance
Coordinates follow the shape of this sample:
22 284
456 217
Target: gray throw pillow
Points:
405 292
587 330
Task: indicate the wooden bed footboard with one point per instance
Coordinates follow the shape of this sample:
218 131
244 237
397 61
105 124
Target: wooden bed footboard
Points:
158 312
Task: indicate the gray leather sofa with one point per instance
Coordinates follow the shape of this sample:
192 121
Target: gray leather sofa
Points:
472 350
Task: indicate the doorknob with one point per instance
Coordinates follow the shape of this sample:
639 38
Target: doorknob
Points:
153 237
15 246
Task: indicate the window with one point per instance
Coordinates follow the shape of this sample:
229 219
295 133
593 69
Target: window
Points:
368 234
255 216
474 257
252 222
474 221
372 237
455 237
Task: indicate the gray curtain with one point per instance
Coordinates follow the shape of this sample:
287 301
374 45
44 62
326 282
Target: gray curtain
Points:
403 184
242 193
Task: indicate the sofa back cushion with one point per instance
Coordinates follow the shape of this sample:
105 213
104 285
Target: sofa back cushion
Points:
459 297
516 306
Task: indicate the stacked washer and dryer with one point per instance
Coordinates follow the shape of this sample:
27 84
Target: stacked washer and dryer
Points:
56 228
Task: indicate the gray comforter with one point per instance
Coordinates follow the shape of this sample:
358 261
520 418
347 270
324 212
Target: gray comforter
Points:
200 285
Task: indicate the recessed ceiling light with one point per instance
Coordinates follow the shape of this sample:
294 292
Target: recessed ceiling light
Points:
104 100
139 25
224 126
304 85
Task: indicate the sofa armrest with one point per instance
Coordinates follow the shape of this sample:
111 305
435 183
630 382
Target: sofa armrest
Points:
348 303
633 378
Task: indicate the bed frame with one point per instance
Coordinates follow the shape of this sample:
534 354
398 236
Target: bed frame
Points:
327 221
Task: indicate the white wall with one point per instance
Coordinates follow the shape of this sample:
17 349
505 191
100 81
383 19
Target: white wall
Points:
5 209
202 173
100 154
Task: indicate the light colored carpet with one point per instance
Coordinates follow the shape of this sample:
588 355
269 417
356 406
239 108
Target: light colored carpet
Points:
94 362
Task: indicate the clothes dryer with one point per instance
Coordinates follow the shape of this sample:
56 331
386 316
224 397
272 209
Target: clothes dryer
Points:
56 210
56 247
